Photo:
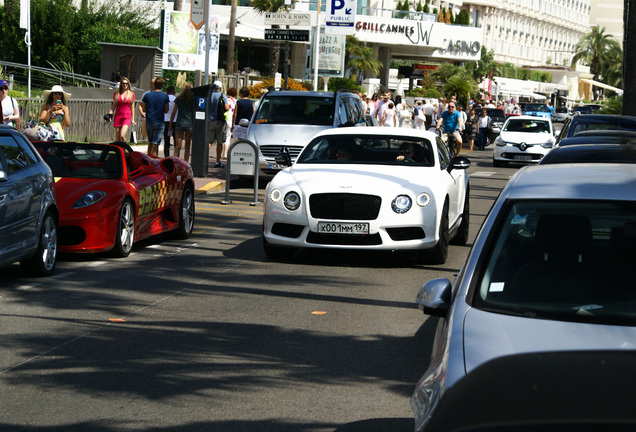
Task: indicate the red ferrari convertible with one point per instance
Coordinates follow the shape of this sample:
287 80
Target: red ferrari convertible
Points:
111 196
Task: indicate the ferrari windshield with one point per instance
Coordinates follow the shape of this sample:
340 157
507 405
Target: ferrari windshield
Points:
527 125
368 149
562 260
312 110
77 160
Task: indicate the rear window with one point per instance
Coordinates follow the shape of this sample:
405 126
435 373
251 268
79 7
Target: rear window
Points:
307 110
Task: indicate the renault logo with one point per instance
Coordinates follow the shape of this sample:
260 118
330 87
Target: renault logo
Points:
523 146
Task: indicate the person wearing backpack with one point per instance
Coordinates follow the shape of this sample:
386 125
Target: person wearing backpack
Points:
218 124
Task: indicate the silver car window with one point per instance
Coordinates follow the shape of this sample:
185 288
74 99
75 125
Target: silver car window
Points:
562 260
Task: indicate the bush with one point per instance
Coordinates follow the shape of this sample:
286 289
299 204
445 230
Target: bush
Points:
268 82
424 93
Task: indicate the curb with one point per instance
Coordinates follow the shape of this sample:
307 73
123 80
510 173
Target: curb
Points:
211 186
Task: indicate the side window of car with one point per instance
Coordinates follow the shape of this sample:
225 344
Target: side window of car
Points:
444 156
13 154
343 111
28 150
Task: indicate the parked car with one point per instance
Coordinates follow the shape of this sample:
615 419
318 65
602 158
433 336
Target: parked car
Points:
588 122
537 110
289 119
28 209
601 136
547 391
498 119
369 189
584 109
550 271
111 196
591 153
523 139
561 114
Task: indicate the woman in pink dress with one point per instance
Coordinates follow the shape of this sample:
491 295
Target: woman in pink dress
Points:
123 101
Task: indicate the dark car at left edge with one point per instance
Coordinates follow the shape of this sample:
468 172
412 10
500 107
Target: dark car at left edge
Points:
28 211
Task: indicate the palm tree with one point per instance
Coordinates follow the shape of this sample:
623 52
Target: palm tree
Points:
591 49
262 6
612 67
360 59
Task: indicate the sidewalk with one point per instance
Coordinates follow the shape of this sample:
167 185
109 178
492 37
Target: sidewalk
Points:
216 177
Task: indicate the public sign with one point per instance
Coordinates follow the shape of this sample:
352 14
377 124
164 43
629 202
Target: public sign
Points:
287 35
197 13
287 18
341 16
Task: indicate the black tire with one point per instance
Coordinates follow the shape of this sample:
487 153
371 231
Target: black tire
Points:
461 237
42 263
439 254
276 252
186 214
125 236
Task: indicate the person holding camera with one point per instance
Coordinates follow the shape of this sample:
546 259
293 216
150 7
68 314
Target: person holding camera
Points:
55 112
124 114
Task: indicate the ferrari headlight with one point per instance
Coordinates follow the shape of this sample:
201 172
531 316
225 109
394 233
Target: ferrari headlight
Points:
401 204
275 195
423 199
89 199
292 201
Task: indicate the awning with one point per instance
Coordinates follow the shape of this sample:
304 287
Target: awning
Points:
538 96
602 85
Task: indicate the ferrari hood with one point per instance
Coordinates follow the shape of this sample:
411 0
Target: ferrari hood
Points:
490 335
352 178
69 190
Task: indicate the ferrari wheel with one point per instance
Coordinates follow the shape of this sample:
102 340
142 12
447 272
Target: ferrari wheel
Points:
186 214
125 230
42 263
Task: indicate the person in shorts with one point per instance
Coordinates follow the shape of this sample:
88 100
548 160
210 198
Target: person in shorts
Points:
154 105
451 123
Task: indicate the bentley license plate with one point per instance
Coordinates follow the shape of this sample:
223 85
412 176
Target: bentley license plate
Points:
343 228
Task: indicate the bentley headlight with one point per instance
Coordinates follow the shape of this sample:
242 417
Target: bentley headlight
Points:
275 195
292 201
423 199
401 204
89 199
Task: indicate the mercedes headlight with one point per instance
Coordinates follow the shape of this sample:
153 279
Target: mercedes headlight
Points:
89 198
401 204
292 201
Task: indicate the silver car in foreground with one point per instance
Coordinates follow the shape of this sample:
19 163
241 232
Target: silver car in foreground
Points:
28 212
550 271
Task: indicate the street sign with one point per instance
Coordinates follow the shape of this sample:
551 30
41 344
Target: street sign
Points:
287 35
197 13
287 18
341 16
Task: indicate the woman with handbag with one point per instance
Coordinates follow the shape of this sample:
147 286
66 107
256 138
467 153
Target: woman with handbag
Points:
123 102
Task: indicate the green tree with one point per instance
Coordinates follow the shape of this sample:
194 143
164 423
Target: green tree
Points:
262 6
592 49
361 58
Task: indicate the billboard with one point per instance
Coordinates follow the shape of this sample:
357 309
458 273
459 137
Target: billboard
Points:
184 46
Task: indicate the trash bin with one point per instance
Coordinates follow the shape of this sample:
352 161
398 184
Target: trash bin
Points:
200 148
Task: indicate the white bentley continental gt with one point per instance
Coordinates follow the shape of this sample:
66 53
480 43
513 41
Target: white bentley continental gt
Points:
369 189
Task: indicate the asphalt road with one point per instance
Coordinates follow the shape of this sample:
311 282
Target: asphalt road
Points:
209 335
